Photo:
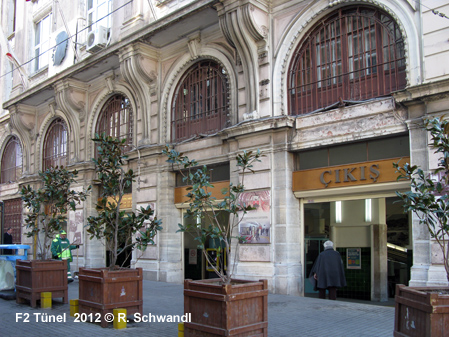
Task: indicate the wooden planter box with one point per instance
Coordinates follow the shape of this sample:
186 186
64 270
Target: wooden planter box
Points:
102 290
238 309
421 311
34 277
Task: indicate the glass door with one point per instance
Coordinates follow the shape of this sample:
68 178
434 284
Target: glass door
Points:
316 231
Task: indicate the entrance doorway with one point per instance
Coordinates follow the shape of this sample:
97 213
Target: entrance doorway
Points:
195 263
316 231
373 238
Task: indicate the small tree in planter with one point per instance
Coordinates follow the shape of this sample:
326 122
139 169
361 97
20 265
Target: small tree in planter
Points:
252 295
48 206
47 213
122 232
428 199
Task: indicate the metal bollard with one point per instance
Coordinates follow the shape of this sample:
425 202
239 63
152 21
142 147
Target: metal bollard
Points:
119 318
74 308
180 329
46 300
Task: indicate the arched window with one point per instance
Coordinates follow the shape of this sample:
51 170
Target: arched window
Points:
116 119
55 145
200 104
11 161
355 54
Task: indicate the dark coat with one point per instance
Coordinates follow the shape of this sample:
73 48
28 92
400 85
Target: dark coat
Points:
329 269
7 240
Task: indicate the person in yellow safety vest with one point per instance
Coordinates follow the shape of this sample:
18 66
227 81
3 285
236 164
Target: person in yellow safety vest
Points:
62 250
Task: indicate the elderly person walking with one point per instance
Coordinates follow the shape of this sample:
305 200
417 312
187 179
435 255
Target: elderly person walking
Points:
328 271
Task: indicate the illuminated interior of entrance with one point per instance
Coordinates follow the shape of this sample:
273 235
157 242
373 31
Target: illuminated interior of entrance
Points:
376 229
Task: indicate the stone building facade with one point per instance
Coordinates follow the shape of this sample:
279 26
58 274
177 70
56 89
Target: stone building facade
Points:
331 91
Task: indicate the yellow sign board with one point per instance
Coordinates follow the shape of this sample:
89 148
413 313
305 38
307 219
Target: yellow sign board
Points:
372 172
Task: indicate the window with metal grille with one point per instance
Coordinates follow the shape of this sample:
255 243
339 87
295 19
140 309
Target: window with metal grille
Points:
55 145
13 218
116 119
200 104
355 54
11 162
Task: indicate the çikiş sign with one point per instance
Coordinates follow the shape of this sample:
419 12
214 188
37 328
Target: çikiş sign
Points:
347 174
372 172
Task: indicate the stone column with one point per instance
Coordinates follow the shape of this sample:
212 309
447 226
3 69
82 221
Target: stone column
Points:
379 261
170 243
287 230
94 250
420 234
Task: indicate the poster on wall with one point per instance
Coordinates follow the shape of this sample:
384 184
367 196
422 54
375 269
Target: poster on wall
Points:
256 224
353 258
193 256
75 230
151 252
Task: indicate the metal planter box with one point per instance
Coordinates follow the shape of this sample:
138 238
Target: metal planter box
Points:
238 309
102 290
421 311
35 276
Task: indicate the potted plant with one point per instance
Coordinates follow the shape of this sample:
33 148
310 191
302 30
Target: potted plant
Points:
423 311
46 215
223 306
103 289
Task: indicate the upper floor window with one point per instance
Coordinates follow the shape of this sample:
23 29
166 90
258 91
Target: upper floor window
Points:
55 145
42 42
116 119
12 7
200 103
354 54
11 161
98 13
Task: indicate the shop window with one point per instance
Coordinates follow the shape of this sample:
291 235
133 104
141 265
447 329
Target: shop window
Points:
375 149
42 42
218 172
354 54
116 119
200 104
98 14
55 149
198 268
389 148
350 153
11 161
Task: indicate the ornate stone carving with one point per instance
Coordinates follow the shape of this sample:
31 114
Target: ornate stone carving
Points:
138 66
194 45
245 28
70 96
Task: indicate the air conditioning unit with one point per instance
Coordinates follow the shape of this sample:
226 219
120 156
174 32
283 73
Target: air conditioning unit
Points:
97 39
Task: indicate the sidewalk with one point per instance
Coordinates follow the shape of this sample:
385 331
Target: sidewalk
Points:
287 316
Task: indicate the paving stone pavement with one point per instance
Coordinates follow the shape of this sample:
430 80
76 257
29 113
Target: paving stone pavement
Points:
287 316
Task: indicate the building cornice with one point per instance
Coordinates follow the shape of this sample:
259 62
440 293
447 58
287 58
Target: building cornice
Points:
424 92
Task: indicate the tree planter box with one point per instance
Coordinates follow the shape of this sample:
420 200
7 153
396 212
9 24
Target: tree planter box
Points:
35 276
102 290
421 311
238 309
